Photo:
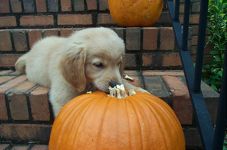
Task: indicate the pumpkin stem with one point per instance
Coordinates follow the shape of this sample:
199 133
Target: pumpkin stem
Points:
119 91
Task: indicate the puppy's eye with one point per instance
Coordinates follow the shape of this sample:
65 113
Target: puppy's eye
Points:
99 65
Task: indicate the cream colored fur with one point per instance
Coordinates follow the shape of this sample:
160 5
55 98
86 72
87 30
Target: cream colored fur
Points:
89 58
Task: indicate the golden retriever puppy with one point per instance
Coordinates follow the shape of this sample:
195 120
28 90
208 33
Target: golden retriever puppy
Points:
89 58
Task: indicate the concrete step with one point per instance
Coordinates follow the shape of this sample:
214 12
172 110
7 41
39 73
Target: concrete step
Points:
26 115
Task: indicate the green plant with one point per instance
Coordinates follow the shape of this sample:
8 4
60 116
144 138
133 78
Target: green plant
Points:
225 142
217 39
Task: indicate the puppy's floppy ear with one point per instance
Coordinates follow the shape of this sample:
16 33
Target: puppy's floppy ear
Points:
73 67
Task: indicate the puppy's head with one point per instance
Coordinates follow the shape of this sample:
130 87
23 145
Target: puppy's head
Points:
95 57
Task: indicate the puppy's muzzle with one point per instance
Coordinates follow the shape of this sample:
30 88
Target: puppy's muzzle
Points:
113 83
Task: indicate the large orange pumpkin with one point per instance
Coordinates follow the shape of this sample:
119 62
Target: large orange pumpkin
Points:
135 12
100 122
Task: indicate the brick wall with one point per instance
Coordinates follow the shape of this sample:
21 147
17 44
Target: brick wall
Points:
23 22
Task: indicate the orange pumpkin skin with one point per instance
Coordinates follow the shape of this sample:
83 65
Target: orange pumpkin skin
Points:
135 12
97 121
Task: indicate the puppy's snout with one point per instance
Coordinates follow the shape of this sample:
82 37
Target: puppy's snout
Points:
113 83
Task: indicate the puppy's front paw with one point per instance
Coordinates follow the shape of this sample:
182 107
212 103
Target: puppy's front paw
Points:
129 86
138 89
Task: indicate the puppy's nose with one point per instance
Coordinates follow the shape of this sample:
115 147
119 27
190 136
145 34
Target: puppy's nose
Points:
113 83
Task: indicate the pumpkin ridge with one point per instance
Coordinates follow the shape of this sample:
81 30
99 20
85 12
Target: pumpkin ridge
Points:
132 101
140 114
66 117
72 126
144 105
76 112
156 113
82 120
83 111
172 120
168 117
101 123
129 131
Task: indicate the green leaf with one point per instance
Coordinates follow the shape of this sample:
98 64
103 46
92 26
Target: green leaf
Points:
217 29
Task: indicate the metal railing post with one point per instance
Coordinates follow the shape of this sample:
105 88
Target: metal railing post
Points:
176 10
186 25
201 45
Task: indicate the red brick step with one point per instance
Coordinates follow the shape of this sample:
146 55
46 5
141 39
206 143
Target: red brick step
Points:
26 115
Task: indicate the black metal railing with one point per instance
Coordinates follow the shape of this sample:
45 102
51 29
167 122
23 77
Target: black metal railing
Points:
212 136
